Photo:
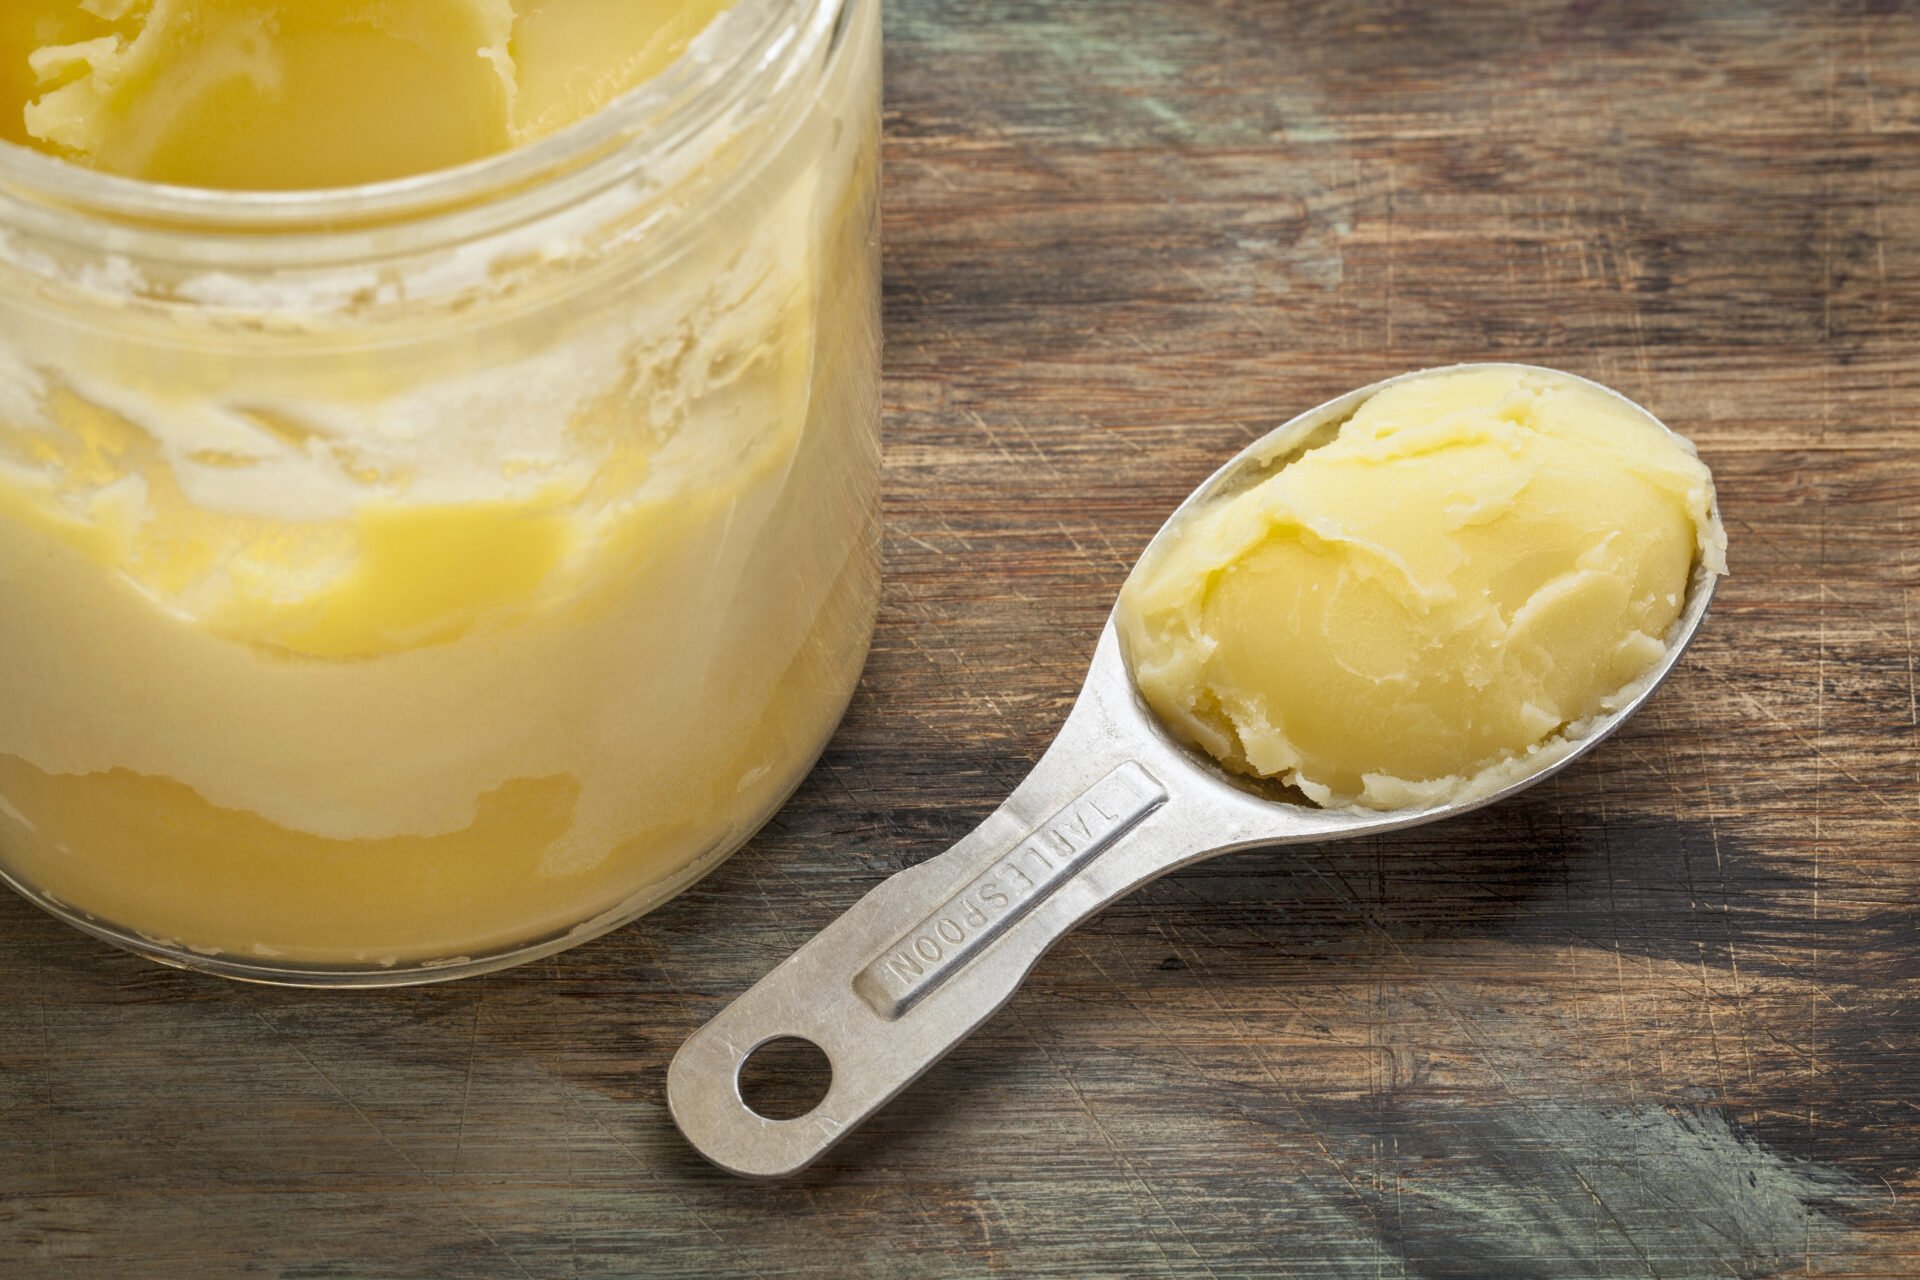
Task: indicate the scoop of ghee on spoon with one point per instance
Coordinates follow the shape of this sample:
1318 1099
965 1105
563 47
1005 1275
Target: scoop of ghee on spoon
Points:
1409 605
1415 599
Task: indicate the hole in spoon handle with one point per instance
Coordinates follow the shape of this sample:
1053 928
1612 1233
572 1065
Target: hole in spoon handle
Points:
915 966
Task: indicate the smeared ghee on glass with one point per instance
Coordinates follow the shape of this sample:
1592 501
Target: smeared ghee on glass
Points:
1413 607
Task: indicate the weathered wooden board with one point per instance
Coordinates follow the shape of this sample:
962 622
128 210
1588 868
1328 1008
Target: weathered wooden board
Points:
1661 1017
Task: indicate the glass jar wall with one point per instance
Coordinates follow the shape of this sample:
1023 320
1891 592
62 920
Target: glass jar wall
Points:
408 580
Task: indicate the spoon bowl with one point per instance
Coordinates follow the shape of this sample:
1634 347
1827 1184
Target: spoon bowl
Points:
1116 802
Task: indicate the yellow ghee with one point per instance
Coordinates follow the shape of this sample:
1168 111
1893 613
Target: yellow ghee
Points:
1412 608
282 94
374 620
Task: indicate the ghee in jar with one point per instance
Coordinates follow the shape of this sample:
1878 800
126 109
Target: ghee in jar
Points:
403 584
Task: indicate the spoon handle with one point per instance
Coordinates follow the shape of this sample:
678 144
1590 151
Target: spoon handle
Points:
914 967
906 974
930 954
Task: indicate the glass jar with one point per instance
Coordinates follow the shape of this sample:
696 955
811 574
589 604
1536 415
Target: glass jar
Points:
408 580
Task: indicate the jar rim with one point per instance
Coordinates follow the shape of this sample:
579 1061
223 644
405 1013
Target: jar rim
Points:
750 47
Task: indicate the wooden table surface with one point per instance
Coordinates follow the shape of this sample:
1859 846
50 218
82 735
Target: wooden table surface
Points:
1659 1017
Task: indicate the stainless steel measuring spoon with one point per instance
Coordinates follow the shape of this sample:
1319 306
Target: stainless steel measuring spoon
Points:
928 956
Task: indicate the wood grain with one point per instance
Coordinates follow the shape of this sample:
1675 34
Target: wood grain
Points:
1660 1017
